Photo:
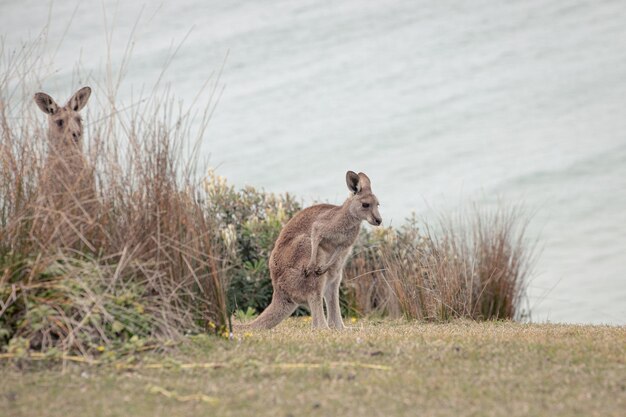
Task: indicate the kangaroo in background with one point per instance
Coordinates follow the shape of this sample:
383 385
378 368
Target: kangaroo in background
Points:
306 264
67 185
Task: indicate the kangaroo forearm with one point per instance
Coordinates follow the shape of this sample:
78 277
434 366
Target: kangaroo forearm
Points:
315 241
333 258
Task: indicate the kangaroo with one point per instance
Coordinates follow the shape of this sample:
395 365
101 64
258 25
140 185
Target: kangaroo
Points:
67 184
307 262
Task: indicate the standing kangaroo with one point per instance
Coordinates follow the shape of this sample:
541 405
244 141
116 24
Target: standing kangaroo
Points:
67 189
307 262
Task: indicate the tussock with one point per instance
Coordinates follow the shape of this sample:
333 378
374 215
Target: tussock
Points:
137 260
474 266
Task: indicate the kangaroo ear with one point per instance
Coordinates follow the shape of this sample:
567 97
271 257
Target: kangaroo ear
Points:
352 179
46 103
79 99
364 181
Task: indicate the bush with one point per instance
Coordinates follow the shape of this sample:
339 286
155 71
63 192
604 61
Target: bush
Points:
144 241
249 222
475 266
68 304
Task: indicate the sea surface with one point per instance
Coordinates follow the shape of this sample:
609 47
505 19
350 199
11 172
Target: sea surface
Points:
442 103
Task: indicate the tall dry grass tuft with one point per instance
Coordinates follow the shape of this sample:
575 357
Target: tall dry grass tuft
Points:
474 266
366 288
140 251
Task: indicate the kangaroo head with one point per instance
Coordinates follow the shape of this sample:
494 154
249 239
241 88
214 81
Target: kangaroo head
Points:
65 126
362 204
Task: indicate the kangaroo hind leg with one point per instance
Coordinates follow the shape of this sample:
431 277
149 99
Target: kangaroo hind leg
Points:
278 310
316 305
331 296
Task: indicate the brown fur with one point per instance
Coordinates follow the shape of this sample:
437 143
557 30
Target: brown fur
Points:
307 262
66 198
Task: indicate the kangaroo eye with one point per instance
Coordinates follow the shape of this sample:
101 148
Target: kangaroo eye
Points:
60 123
365 205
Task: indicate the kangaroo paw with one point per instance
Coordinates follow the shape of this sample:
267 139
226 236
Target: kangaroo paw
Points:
320 270
308 270
317 270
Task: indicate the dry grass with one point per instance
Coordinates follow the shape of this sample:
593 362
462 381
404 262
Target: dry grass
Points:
474 266
462 368
141 246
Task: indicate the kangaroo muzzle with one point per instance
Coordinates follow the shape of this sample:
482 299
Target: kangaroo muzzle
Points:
375 220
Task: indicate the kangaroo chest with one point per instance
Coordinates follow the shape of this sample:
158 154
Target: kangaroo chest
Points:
339 239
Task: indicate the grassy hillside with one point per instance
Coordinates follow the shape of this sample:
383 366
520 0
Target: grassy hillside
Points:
379 368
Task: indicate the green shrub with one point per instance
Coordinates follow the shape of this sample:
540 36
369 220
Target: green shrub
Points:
67 303
249 222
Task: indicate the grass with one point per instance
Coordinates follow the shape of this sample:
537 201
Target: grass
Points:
380 368
473 265
134 257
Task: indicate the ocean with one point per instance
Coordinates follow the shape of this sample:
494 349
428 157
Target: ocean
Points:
443 104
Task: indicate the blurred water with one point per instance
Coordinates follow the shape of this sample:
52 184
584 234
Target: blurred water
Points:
441 103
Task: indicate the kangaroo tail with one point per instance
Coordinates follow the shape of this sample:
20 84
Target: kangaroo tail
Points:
278 310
